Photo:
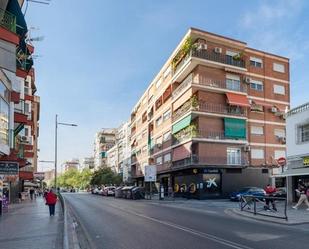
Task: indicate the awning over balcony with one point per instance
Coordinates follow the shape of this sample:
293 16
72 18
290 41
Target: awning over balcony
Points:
237 99
262 103
234 128
14 8
179 102
186 121
181 152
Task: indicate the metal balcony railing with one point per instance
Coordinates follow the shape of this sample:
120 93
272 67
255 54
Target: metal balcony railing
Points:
189 133
211 160
209 108
7 20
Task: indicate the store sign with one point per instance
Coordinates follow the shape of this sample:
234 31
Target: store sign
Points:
39 175
150 173
211 171
306 161
9 168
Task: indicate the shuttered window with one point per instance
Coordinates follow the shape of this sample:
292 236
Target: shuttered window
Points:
234 128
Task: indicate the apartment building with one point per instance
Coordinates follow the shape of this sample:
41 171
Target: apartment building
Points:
71 164
297 141
213 119
104 140
88 163
118 157
19 105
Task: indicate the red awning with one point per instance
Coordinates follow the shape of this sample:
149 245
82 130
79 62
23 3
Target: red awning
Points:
237 99
262 103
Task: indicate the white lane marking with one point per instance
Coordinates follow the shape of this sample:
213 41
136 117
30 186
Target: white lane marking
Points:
188 230
256 237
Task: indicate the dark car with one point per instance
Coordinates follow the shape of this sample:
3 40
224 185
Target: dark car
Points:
254 191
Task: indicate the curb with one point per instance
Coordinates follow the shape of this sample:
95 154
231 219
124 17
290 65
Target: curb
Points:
65 223
262 218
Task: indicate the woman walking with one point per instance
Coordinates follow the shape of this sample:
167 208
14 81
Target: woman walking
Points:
51 200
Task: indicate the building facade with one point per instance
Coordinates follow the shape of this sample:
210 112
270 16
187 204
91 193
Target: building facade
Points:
88 163
213 118
72 164
19 105
104 140
297 141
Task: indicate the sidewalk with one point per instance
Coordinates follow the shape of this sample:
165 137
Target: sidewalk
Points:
29 226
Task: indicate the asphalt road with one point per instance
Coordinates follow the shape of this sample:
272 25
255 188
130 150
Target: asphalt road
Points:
124 224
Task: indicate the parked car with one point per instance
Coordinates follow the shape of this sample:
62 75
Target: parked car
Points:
281 192
118 192
254 191
138 193
109 191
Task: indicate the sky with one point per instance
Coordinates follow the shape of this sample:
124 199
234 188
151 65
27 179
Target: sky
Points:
99 56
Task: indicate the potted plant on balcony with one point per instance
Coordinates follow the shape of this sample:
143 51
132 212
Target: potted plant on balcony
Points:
238 56
194 102
185 49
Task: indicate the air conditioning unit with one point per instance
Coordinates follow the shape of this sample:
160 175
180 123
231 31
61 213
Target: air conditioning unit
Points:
159 146
250 101
247 80
247 148
24 139
274 109
218 50
201 46
282 140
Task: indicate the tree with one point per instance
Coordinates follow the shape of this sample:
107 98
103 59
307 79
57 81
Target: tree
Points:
105 176
75 179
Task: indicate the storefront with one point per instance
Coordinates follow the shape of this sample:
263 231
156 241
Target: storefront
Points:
198 183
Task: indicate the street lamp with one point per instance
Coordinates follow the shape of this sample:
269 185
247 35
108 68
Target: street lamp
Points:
56 134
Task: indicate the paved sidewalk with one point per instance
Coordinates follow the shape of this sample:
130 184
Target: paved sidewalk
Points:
29 226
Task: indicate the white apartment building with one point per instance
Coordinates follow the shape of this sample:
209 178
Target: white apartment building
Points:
297 141
104 140
87 163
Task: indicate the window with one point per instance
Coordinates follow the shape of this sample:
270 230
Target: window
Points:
150 99
257 154
166 115
27 107
166 136
233 156
167 157
159 140
159 121
26 131
303 133
278 67
279 153
256 62
278 89
233 82
256 108
279 133
257 130
167 72
159 160
158 83
256 85
4 92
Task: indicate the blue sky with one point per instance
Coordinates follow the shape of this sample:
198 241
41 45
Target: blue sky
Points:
98 56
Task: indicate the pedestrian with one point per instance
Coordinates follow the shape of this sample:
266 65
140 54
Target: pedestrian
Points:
302 191
31 193
51 200
270 192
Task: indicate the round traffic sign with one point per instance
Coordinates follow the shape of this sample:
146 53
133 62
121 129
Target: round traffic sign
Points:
281 161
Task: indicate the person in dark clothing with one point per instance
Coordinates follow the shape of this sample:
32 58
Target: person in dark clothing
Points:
51 200
31 193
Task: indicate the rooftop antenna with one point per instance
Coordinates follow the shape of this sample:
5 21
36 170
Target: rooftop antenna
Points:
46 2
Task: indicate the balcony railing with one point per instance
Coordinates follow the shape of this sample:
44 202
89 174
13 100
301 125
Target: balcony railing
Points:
211 160
209 108
7 20
213 83
211 56
191 132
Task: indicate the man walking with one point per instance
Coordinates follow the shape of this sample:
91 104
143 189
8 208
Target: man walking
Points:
51 200
302 191
31 193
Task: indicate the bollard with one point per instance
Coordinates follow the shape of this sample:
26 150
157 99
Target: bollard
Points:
161 193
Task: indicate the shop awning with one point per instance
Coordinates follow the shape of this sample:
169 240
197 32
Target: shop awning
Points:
262 103
237 99
294 172
182 124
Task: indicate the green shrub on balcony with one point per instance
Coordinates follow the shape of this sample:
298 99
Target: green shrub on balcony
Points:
185 49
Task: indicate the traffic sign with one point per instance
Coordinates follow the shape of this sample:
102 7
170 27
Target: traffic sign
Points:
281 161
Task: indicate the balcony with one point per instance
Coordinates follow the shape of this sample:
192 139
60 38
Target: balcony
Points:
8 20
211 56
191 132
210 84
224 110
224 161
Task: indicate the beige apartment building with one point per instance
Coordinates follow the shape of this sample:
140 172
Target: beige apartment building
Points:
213 118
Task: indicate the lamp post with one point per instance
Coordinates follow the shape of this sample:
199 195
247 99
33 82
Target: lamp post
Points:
56 137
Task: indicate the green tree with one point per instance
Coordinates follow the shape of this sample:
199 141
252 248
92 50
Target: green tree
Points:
105 176
75 179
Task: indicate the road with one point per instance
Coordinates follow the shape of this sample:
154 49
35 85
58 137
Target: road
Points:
123 224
